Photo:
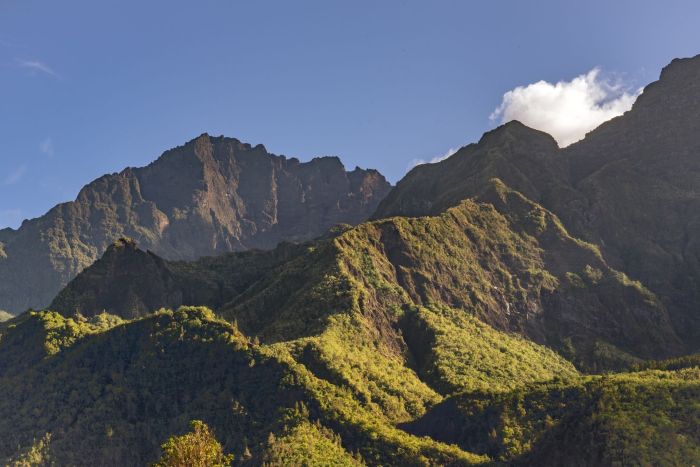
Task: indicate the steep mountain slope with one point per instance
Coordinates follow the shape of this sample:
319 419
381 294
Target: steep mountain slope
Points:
210 196
377 326
509 263
640 177
630 187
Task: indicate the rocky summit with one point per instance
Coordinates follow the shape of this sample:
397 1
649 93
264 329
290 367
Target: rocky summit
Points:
209 196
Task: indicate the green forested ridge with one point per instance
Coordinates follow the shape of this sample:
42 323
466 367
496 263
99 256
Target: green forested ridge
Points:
457 352
353 340
509 263
131 282
33 336
112 398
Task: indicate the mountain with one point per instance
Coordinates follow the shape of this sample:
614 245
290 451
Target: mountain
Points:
630 187
346 349
210 196
493 311
509 263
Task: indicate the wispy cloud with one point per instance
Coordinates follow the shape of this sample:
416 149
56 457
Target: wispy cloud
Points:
46 147
4 43
35 66
15 176
568 109
435 159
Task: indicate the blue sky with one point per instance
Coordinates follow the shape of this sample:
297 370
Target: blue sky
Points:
88 88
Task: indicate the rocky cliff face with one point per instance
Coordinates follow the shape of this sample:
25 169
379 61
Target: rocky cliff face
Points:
210 196
631 187
639 180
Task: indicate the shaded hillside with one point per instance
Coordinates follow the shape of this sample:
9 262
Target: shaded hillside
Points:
130 282
630 187
524 159
210 196
649 418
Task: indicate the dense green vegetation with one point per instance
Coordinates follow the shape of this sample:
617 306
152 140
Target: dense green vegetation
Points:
33 336
510 263
132 283
458 352
114 396
647 418
113 392
686 361
308 444
197 448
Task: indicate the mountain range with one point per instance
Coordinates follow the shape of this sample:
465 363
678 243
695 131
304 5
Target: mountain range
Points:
209 196
514 304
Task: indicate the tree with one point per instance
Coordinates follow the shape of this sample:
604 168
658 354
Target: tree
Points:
198 448
37 454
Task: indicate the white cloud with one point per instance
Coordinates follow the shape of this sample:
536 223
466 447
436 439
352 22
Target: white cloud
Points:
419 161
15 176
46 147
566 110
35 66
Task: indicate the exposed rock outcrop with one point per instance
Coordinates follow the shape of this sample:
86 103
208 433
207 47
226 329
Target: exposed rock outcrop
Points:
210 196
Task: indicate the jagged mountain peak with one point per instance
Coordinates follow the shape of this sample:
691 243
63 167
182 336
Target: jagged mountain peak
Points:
684 69
208 196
